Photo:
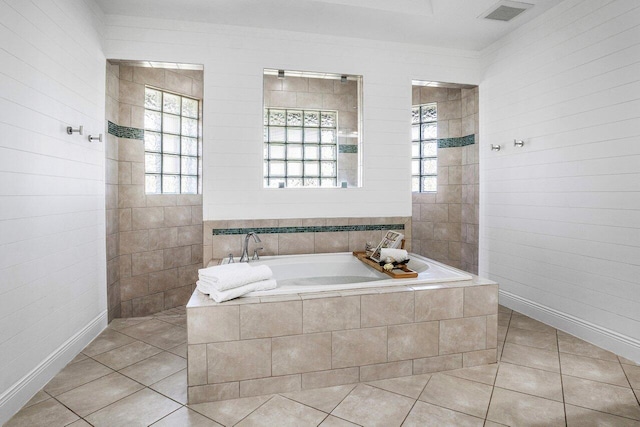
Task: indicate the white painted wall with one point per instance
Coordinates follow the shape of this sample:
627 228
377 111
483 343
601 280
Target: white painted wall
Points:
52 226
234 59
560 217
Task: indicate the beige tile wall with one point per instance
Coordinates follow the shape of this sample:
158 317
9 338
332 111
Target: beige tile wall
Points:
291 342
220 246
302 92
111 200
160 236
445 223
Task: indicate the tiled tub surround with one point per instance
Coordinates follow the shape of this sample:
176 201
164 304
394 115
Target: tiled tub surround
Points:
299 236
286 343
159 239
445 223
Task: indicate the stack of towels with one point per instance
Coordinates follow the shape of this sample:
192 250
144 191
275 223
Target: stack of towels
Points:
228 281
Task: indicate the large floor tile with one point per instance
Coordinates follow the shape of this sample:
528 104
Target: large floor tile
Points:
175 320
370 406
127 355
40 396
157 333
107 340
79 423
516 409
47 413
530 381
539 339
458 394
593 369
140 409
523 322
407 386
229 412
97 394
179 350
79 358
570 344
332 421
155 368
626 361
122 323
283 412
185 417
75 375
485 374
633 375
324 399
532 357
427 415
582 417
174 386
601 397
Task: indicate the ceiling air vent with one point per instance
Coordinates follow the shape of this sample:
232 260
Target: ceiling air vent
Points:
505 10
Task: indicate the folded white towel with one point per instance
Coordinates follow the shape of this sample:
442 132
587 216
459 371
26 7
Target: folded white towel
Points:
229 276
398 255
220 296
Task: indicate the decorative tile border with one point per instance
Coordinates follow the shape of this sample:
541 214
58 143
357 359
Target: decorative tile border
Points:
310 229
125 131
348 148
456 142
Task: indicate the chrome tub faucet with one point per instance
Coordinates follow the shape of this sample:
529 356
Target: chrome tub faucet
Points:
245 247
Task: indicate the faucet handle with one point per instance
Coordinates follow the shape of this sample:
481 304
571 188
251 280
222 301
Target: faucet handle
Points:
255 253
231 259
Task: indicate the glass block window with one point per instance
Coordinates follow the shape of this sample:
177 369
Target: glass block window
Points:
300 148
424 147
171 143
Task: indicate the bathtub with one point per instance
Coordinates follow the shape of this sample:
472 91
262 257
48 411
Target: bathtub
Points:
333 320
298 274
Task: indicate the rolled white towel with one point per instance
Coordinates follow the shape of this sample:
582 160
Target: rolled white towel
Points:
229 276
398 255
220 296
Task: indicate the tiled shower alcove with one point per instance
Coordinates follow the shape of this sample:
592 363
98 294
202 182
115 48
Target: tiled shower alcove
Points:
285 343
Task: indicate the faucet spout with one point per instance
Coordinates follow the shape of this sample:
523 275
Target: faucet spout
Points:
245 245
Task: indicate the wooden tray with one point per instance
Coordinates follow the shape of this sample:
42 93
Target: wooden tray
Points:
400 272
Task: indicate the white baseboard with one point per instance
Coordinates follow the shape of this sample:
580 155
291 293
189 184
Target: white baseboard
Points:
615 342
22 391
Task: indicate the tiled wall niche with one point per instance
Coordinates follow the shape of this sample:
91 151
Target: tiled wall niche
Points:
445 223
316 94
220 245
159 237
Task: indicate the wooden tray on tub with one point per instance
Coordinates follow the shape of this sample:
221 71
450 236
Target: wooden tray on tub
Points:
400 272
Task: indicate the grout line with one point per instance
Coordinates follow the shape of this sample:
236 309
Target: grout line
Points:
564 401
258 407
493 386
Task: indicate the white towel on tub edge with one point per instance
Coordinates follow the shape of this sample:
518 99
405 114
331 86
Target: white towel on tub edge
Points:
220 296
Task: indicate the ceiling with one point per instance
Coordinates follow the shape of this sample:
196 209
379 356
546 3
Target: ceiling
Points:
441 23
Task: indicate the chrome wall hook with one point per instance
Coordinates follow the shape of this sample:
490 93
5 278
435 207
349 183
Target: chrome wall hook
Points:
518 143
71 130
495 147
95 138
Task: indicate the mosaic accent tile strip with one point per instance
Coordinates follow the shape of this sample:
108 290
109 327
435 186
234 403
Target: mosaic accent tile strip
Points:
456 142
348 148
125 131
310 229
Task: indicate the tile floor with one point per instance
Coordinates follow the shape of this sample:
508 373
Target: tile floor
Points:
134 374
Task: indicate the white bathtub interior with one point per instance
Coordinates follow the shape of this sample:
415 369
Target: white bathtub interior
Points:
340 271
